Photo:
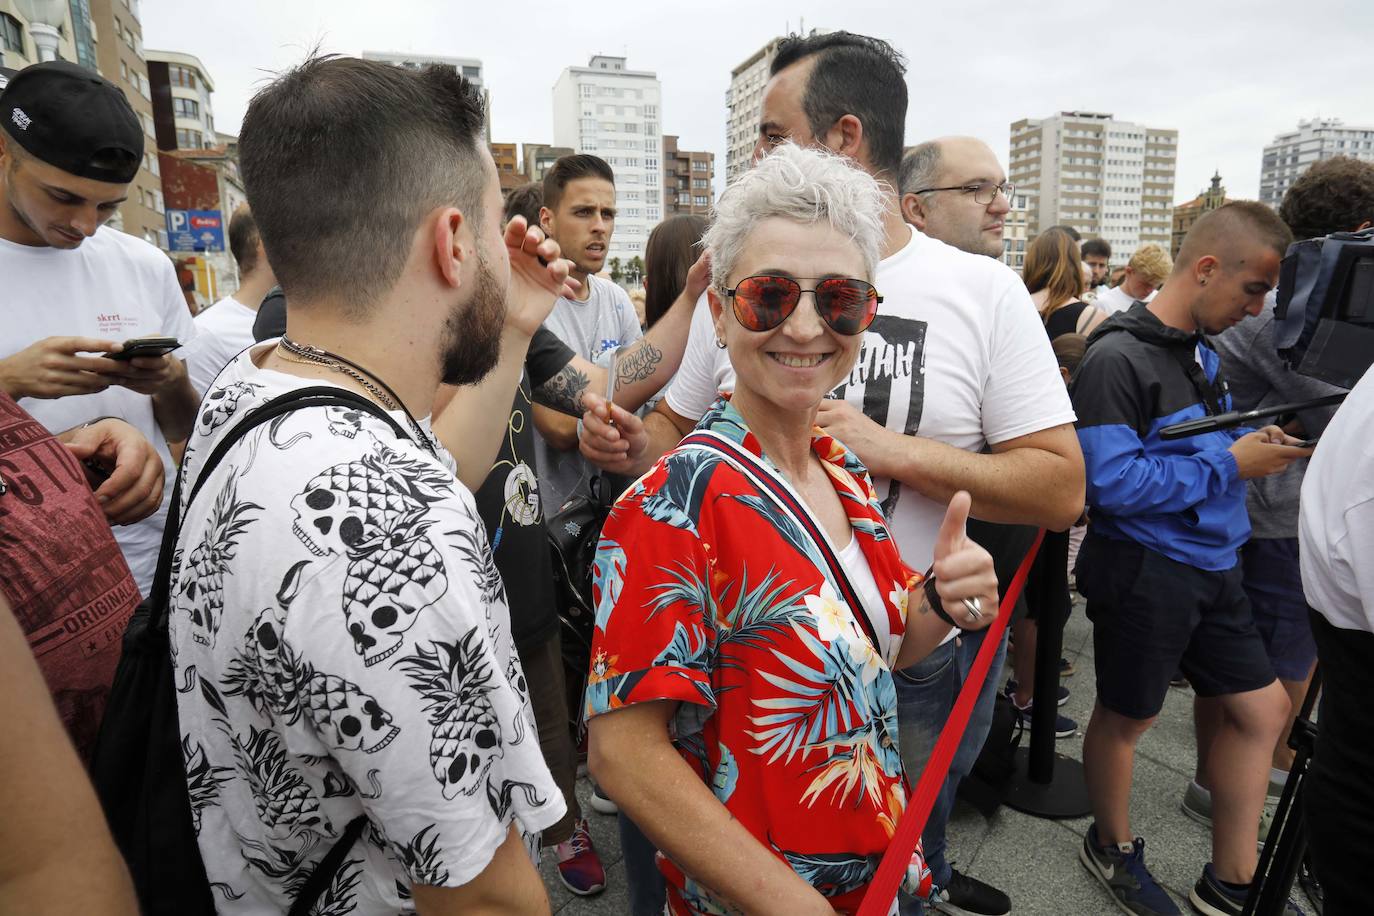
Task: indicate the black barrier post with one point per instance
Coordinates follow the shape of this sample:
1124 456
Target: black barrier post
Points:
1045 783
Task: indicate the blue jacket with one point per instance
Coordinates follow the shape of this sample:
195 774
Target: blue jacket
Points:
1183 498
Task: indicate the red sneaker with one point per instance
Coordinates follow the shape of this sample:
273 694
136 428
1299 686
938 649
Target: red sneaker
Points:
579 866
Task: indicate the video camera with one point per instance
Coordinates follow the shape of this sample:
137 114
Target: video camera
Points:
1324 313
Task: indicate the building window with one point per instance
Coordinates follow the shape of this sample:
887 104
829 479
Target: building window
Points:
181 76
11 34
186 108
652 213
700 165
701 201
472 73
699 184
631 127
188 139
586 91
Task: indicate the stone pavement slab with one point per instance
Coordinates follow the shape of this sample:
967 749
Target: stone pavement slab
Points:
1034 861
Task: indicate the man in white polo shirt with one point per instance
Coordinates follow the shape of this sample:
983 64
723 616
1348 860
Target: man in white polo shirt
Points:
956 360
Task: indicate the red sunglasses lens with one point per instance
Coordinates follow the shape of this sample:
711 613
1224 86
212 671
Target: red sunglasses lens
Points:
763 303
848 306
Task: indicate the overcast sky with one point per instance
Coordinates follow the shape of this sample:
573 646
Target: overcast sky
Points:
1228 75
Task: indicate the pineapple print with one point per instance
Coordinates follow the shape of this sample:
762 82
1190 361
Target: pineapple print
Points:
201 591
346 717
285 804
202 778
349 507
387 585
455 680
420 858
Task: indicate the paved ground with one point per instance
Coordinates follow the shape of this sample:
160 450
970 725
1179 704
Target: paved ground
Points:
1035 861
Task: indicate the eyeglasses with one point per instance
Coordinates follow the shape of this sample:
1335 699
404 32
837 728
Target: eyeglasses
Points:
983 192
763 302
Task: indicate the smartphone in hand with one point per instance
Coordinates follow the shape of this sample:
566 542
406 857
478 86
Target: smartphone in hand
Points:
145 346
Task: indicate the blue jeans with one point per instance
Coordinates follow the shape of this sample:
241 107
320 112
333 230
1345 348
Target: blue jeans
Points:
926 692
648 890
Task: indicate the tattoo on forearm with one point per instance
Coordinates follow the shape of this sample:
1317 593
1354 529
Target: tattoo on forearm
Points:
638 364
564 391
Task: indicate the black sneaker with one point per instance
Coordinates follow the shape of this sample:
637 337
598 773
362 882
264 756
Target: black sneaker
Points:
1121 870
1064 727
965 896
1211 898
1062 697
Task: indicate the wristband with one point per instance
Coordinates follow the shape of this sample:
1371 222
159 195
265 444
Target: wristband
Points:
90 423
933 599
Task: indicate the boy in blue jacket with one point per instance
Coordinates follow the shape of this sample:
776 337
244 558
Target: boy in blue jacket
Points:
1159 567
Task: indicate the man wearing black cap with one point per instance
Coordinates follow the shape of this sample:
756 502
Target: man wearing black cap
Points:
69 146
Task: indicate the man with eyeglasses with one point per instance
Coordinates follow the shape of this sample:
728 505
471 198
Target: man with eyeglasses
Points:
954 190
955 360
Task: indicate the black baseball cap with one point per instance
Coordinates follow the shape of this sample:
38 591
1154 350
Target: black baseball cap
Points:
74 119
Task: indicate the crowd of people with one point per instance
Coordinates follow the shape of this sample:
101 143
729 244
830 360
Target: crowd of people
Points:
837 426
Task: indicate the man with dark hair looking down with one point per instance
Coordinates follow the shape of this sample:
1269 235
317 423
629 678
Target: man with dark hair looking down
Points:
956 360
75 289
336 599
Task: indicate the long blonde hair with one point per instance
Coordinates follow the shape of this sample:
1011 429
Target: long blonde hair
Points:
1054 265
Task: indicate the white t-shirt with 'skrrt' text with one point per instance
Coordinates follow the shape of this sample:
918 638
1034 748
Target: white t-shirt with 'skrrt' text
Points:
115 287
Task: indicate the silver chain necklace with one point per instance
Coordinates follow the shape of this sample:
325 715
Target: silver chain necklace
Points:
380 390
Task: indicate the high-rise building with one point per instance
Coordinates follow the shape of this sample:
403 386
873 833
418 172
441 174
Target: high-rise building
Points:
469 67
688 177
122 60
1016 232
612 112
182 110
540 157
1186 214
744 99
1104 177
1292 152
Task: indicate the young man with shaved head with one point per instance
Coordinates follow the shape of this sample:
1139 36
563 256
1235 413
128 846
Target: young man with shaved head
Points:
1159 567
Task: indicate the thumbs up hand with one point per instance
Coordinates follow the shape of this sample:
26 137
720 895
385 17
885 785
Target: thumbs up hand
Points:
965 578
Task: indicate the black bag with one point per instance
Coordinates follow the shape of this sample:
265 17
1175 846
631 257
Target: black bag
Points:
138 766
574 530
985 785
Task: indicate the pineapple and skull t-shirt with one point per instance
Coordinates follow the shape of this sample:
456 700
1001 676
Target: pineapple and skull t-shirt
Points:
342 647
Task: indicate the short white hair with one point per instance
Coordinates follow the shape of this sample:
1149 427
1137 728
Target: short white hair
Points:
804 185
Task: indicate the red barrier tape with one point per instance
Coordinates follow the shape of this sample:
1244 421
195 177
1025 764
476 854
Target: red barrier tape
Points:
878 899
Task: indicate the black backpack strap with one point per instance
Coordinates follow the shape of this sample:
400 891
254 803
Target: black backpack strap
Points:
329 866
1210 393
314 396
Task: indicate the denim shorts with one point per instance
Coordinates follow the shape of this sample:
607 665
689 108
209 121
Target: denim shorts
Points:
1273 580
1153 615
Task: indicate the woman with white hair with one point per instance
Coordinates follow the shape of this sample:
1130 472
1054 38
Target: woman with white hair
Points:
751 602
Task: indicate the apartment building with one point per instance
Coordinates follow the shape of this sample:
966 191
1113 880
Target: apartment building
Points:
1293 152
1185 214
688 177
1104 177
611 111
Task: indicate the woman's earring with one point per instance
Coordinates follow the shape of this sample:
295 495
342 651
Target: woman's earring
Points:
720 344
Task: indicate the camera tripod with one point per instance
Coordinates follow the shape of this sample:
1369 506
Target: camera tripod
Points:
1287 842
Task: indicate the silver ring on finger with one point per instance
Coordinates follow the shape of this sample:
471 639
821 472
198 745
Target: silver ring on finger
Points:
975 608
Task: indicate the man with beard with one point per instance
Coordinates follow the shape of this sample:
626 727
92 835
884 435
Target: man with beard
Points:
1160 565
335 602
579 214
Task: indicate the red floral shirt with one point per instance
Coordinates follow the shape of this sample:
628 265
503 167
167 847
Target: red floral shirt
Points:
710 596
